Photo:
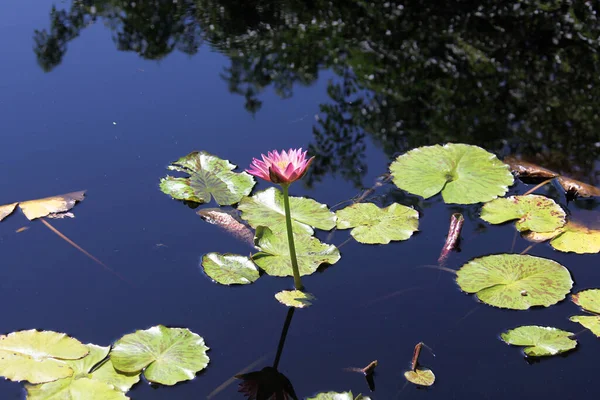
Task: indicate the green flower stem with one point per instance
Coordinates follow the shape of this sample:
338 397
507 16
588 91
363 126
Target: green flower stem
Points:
290 234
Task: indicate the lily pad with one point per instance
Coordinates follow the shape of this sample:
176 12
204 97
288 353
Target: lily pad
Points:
572 237
338 396
229 269
295 298
515 281
50 205
6 210
540 341
166 355
38 357
274 257
464 174
374 225
209 176
591 322
589 300
266 209
420 376
119 380
532 212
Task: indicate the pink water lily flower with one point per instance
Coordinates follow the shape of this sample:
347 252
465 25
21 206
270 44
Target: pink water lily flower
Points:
283 168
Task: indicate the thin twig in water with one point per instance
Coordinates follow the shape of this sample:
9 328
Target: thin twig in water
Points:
345 242
514 241
536 187
531 246
72 243
456 223
438 267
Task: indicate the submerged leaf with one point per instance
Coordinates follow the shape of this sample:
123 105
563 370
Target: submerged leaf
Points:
274 257
534 213
420 376
515 281
227 221
50 205
38 357
167 355
374 225
525 169
295 298
266 209
209 176
464 174
228 269
578 188
540 340
6 210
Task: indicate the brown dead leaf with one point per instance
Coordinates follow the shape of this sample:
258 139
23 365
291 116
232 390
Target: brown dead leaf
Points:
228 222
50 205
525 169
22 229
578 188
6 210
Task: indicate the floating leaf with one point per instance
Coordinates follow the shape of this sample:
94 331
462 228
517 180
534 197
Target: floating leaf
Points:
209 177
274 257
74 389
226 219
577 239
266 209
50 205
119 380
37 356
228 269
578 188
374 225
540 340
515 281
589 300
295 298
591 322
6 210
534 213
464 174
338 396
420 376
167 355
525 169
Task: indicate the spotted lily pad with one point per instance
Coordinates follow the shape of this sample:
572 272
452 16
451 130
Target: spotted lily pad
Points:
266 209
515 281
38 357
464 174
78 385
420 376
166 355
295 298
274 254
573 237
532 212
338 396
229 269
589 300
374 225
209 176
540 341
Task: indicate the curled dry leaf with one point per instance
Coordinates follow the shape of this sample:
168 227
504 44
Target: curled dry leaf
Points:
50 205
453 238
525 169
578 188
6 210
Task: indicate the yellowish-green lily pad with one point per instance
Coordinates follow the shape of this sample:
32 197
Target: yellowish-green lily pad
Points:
229 269
515 281
589 300
420 376
464 174
6 210
591 322
374 225
295 298
338 396
540 341
573 237
532 212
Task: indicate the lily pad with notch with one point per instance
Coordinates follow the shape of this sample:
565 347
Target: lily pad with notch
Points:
421 376
374 225
230 269
540 341
464 174
209 177
573 237
274 254
515 281
295 298
533 213
589 300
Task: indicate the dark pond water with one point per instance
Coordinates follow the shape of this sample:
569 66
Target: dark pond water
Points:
102 95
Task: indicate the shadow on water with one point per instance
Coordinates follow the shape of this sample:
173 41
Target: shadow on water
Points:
517 77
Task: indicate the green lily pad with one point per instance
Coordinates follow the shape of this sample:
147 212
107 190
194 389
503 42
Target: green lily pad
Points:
38 357
122 381
229 269
572 237
374 225
274 257
515 281
75 386
589 300
532 212
464 174
591 322
209 176
295 298
74 389
540 340
420 376
266 209
166 355
338 396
